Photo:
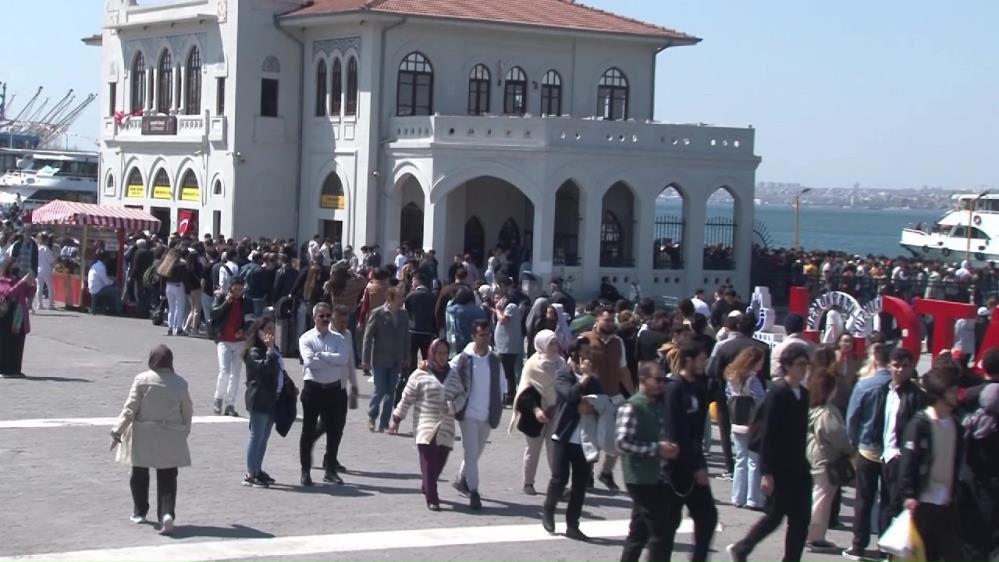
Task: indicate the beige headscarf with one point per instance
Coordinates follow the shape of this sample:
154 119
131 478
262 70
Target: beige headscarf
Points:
539 373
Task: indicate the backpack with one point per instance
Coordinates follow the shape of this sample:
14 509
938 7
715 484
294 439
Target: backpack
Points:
151 278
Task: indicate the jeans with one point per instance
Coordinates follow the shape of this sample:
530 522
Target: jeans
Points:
206 310
261 424
568 456
868 473
433 457
725 430
45 282
258 307
329 402
166 491
176 303
230 362
107 294
791 498
383 395
532 453
474 435
746 478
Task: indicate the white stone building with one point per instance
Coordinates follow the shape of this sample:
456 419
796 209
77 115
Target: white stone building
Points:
459 126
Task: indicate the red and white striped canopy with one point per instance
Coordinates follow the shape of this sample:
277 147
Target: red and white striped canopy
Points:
80 214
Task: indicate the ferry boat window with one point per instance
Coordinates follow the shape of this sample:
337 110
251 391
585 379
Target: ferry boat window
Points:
515 92
478 90
961 231
612 95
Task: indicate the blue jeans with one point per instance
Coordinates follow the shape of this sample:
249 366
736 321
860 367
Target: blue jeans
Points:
260 431
258 307
385 381
746 488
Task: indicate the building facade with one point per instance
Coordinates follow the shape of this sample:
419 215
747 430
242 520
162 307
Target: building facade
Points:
461 127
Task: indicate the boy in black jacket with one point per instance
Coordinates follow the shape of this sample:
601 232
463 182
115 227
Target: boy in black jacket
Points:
931 458
780 439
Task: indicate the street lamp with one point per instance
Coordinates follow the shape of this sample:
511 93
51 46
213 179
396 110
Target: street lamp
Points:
971 215
797 217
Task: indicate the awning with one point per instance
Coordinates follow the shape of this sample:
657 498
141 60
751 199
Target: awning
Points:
80 214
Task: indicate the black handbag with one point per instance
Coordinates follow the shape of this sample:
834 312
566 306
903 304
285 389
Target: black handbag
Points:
740 409
841 471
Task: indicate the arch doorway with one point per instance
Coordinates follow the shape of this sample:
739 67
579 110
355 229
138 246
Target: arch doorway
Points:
411 226
494 215
475 239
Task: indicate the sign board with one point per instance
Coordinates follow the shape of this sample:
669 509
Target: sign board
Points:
162 192
136 191
332 201
159 125
190 194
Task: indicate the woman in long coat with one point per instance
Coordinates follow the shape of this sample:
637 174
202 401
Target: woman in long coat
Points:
151 432
16 293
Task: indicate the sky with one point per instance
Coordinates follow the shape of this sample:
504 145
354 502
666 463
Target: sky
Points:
892 93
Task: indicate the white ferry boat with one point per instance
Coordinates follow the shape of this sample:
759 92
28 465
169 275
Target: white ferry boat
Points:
35 177
969 231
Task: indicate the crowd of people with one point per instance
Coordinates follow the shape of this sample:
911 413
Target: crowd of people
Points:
593 385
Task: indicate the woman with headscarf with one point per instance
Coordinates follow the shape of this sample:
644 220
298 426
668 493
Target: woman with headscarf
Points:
978 490
16 293
152 432
432 391
534 404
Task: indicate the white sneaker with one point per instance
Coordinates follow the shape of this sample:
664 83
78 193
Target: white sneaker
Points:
136 519
167 526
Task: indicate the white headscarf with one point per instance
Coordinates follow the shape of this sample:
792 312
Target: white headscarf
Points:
542 340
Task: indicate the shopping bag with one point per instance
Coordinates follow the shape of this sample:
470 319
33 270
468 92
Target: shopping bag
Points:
902 539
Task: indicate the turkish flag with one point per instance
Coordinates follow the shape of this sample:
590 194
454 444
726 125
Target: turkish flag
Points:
187 222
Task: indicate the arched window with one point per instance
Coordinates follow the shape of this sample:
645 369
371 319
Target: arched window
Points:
515 92
350 108
478 90
109 185
161 185
321 89
189 188
217 188
332 196
551 94
611 241
165 87
415 90
475 239
192 97
134 186
138 83
337 83
509 235
612 95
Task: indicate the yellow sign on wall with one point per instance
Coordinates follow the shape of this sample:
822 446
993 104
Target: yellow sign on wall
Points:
332 201
136 191
162 192
190 194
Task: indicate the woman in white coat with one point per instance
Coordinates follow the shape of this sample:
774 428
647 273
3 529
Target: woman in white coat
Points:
151 432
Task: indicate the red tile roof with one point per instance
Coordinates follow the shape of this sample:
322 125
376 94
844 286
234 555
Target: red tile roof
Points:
563 14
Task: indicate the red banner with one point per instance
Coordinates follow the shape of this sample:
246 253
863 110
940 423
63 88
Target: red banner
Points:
187 222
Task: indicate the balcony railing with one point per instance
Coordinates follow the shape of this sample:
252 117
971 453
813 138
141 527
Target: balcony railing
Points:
187 129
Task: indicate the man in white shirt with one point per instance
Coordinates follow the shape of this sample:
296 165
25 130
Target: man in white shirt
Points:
481 373
700 305
400 261
101 286
328 360
227 272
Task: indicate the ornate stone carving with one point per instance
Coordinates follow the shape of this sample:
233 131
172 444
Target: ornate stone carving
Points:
223 10
342 44
271 65
150 46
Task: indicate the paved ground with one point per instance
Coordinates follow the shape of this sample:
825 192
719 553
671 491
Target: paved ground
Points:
63 496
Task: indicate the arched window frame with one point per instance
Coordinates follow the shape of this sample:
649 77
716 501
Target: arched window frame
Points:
192 94
134 177
165 85
551 94
189 180
333 187
612 95
515 92
611 239
336 82
138 94
321 89
479 90
415 86
350 106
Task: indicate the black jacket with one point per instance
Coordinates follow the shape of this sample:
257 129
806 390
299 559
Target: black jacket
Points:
420 307
284 282
262 368
686 407
648 344
780 432
913 399
526 403
220 312
286 409
917 455
570 394
142 260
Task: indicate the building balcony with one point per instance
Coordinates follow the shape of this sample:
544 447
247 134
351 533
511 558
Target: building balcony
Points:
172 129
567 133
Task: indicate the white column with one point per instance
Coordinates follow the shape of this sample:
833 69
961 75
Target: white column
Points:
544 237
391 229
589 240
435 232
156 91
182 88
745 214
694 215
645 213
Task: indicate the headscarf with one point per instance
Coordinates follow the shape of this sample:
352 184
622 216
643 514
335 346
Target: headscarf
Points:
161 359
542 340
439 370
538 310
985 421
539 373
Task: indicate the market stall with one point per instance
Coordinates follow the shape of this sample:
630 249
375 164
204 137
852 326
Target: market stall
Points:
101 227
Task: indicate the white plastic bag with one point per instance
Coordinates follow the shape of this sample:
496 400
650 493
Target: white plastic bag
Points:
897 539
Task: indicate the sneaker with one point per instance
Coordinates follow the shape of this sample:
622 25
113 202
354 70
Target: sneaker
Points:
338 467
529 490
136 519
883 555
434 506
548 521
253 481
332 477
575 534
306 478
218 407
371 425
855 554
231 411
169 331
734 555
181 333
607 479
265 478
461 486
166 528
474 501
820 546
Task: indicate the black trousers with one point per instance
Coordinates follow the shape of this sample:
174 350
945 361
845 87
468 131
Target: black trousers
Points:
568 458
11 346
939 534
509 361
648 526
868 474
701 505
418 342
891 499
725 427
791 498
328 402
166 491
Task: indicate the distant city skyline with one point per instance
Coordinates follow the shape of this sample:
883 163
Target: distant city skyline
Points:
894 94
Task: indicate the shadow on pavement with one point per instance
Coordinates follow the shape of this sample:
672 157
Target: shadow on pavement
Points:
53 379
233 532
